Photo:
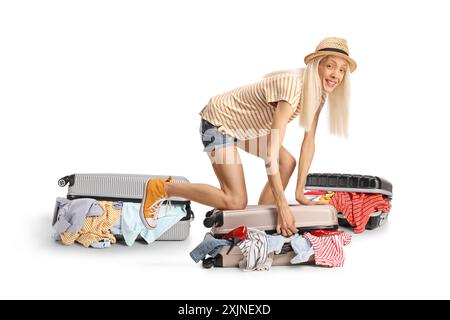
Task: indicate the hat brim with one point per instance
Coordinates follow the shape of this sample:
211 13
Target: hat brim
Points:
352 64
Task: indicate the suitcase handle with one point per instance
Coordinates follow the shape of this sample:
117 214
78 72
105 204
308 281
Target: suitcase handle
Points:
189 211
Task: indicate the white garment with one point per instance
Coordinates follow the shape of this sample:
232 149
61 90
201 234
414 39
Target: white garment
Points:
254 249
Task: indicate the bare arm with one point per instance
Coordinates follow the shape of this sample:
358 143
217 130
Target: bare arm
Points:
285 219
306 157
280 119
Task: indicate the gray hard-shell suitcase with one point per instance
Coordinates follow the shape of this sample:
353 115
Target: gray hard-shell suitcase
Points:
126 188
353 183
264 217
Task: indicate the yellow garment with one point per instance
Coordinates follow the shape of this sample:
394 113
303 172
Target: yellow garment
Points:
326 197
95 228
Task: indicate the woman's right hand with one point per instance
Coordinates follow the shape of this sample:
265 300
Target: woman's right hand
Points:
300 197
285 221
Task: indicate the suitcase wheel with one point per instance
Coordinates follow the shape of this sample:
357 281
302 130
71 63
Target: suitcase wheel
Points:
62 182
208 263
214 219
209 221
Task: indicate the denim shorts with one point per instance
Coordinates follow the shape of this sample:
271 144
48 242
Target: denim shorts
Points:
213 138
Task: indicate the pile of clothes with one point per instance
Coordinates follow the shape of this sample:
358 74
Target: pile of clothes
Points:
96 224
322 247
357 207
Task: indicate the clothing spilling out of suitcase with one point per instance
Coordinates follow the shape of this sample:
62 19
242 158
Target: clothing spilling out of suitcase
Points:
101 210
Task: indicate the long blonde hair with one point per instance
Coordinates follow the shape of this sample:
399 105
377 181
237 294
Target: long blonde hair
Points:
338 105
312 95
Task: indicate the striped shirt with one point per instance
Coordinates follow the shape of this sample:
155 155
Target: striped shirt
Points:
329 250
357 207
254 249
247 112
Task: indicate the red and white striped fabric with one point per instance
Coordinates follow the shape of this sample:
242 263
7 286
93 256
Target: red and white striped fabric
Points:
357 207
329 250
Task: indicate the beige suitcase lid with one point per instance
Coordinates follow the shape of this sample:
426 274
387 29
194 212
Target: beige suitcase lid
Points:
264 217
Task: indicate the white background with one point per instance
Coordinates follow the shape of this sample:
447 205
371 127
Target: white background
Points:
116 87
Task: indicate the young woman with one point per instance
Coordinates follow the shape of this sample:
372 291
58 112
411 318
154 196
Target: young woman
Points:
254 118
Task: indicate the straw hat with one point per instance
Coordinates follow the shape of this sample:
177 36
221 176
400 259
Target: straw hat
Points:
332 46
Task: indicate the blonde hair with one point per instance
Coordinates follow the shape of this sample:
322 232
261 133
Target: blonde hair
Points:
338 105
312 94
311 97
338 100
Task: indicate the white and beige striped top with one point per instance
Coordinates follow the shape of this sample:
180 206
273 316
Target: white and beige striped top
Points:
247 112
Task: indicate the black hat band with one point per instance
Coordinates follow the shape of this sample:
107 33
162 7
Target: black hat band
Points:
334 50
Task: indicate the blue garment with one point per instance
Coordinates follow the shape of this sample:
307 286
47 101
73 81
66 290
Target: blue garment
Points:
209 246
132 227
72 213
102 244
303 248
116 228
274 243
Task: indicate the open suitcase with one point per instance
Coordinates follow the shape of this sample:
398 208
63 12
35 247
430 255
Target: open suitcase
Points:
231 259
264 217
353 183
126 188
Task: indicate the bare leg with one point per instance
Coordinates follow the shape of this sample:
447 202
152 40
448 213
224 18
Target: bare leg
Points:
287 166
233 193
